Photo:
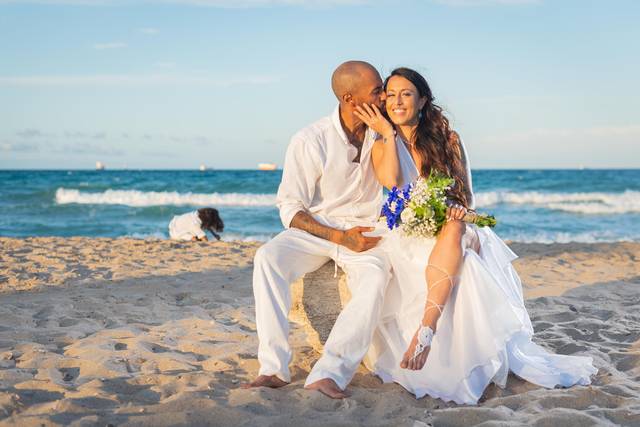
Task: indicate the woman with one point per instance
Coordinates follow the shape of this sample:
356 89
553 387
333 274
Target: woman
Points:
467 326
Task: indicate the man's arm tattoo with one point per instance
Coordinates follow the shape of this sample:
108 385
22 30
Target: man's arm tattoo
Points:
303 221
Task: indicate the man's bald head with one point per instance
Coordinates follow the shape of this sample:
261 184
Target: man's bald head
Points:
349 77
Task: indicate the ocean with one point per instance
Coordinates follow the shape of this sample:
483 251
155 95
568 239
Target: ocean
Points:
530 205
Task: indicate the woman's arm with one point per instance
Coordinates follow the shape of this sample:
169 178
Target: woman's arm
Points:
386 164
384 154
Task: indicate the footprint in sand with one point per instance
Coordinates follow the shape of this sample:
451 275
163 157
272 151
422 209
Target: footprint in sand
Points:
66 322
69 374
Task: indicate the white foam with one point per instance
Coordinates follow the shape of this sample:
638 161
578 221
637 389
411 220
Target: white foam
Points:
584 203
162 198
565 237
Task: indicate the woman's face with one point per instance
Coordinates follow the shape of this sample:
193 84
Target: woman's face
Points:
403 102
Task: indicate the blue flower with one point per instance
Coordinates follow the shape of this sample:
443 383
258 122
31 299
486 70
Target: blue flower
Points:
406 192
399 199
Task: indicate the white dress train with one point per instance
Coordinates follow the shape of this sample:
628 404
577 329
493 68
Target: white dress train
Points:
484 330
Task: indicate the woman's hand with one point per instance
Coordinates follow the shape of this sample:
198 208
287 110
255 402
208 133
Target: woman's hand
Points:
456 212
372 117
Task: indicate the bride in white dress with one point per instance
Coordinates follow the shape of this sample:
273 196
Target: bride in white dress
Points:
454 318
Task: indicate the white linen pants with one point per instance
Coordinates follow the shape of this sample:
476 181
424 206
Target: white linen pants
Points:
287 257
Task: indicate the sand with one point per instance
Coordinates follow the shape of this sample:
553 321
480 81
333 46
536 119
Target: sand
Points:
128 332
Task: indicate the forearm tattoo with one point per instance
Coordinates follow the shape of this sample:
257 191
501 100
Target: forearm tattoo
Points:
303 221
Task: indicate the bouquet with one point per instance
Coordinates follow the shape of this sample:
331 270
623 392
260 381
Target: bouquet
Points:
420 209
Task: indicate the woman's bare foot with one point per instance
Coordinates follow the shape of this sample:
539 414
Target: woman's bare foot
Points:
328 387
414 364
270 381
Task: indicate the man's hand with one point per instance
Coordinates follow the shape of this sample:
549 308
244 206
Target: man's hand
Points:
354 240
351 238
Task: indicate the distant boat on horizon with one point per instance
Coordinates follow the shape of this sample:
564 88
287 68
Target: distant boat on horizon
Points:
267 166
203 168
100 166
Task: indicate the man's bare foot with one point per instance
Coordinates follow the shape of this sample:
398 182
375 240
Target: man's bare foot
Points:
414 364
270 381
328 387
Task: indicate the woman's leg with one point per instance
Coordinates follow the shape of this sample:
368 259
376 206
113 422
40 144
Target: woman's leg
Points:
444 263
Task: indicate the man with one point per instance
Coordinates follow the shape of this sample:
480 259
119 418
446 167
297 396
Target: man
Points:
328 197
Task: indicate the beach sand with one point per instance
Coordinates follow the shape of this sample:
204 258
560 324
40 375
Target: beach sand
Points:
128 332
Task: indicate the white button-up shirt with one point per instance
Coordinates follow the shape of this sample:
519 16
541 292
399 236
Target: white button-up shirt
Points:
320 177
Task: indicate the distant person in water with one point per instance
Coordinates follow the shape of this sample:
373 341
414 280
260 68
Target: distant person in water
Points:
192 225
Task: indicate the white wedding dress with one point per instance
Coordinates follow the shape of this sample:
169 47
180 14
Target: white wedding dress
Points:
484 330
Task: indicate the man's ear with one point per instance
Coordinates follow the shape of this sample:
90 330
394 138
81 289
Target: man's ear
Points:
347 98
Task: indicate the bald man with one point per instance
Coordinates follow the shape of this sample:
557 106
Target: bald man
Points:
328 198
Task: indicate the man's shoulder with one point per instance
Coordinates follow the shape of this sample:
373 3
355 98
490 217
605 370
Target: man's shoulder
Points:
315 131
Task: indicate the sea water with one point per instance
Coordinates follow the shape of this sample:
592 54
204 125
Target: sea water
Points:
530 205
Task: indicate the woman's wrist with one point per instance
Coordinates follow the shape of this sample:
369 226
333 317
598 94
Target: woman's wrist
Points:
388 136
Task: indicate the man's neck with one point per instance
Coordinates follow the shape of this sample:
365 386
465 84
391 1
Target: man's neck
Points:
353 128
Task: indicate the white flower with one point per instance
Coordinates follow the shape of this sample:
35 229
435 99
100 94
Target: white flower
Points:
407 215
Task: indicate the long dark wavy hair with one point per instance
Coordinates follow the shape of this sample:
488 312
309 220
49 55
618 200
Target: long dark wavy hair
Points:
435 142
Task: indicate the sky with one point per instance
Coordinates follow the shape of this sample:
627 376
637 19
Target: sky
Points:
172 84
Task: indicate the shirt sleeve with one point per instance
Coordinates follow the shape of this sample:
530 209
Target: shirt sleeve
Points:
301 171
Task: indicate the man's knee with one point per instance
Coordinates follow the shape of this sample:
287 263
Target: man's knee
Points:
261 255
266 255
376 277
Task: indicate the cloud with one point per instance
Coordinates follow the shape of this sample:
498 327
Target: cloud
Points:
602 133
149 31
134 80
486 2
30 133
110 45
598 146
243 4
19 147
165 64
61 2
88 148
228 4
199 140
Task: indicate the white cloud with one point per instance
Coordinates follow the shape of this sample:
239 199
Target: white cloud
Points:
110 45
165 64
264 3
149 31
23 147
134 80
30 133
597 146
602 133
69 2
486 2
206 3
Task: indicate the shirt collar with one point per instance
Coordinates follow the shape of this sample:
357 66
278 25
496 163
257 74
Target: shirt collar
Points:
335 118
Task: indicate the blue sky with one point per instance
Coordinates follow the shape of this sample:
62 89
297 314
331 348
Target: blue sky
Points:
177 83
